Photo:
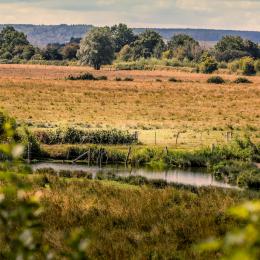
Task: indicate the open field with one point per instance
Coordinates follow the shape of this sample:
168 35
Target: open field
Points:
203 113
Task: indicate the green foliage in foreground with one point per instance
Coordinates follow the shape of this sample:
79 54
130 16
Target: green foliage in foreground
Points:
21 230
241 243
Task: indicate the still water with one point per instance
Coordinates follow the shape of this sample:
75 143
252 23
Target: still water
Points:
194 177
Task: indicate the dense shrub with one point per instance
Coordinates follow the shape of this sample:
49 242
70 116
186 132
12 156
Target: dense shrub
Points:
128 79
152 64
85 76
230 55
101 78
76 136
222 65
257 65
208 65
247 66
216 80
249 178
242 81
172 79
234 66
229 169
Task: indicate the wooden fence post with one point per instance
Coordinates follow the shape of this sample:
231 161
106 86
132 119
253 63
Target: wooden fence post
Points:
101 158
136 136
177 137
29 153
128 155
89 158
167 151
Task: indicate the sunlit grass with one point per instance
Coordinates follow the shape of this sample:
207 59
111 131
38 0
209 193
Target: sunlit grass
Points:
200 112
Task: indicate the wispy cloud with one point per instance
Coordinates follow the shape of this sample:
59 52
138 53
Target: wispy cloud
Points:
226 14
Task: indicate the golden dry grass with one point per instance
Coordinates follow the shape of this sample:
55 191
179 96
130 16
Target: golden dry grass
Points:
40 94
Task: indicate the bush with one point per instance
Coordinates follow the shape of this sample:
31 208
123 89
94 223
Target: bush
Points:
208 65
257 65
242 81
101 78
247 66
172 79
86 76
222 65
118 79
216 80
233 66
128 79
152 64
76 136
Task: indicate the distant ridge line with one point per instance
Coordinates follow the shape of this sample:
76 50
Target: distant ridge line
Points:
41 35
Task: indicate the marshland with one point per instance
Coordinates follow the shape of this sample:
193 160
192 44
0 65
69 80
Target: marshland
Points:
144 158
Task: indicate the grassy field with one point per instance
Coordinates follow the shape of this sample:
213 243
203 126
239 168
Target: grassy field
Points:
132 222
202 113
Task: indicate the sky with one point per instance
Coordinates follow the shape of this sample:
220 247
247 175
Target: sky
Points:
216 14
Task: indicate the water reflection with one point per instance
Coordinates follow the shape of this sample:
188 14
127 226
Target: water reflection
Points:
194 177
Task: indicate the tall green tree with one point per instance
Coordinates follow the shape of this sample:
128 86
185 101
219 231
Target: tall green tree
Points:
148 44
97 48
181 40
69 51
184 46
234 47
12 42
122 35
53 51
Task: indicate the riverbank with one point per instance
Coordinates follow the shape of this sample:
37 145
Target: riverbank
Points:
232 162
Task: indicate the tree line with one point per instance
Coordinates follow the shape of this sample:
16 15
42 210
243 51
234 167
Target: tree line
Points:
103 45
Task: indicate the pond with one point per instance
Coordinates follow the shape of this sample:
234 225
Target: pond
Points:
193 177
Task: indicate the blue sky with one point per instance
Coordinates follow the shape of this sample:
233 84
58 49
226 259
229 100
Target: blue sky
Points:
219 14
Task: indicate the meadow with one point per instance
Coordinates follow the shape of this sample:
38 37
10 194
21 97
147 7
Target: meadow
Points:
124 218
198 112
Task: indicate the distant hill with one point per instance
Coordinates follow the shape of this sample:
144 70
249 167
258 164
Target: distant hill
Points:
41 35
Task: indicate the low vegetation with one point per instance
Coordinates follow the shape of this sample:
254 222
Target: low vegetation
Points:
172 79
242 81
86 76
76 136
216 80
